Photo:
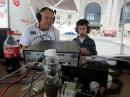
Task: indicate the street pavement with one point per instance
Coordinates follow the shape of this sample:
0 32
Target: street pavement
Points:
117 39
111 46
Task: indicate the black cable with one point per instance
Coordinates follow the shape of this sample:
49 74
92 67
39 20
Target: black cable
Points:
29 89
31 84
21 82
25 93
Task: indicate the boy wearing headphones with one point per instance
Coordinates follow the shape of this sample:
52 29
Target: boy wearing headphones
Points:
87 45
43 30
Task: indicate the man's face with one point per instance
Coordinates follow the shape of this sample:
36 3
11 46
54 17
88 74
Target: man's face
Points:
82 30
46 20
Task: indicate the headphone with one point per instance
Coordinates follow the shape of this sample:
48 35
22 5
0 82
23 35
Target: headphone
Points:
39 16
82 22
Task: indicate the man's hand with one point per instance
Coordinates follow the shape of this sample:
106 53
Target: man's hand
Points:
23 46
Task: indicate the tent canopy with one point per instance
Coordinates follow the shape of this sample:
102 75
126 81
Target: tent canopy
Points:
63 4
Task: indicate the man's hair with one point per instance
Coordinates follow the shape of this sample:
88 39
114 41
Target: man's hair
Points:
82 22
46 8
39 16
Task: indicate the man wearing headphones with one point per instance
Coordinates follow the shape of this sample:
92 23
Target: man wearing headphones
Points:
43 30
87 45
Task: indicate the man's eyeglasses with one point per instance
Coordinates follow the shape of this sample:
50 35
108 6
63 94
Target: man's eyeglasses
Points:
46 18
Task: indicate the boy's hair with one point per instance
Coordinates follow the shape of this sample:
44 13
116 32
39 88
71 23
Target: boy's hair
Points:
82 22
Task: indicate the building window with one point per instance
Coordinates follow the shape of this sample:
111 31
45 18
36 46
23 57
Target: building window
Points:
2 3
69 16
93 13
125 14
128 11
90 17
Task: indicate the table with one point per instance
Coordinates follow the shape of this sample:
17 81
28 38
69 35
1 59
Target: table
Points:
16 90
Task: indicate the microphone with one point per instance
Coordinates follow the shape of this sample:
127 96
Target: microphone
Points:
94 86
40 59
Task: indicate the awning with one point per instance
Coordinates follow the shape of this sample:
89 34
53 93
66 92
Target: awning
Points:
63 4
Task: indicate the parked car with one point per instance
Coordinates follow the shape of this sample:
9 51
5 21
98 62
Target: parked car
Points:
110 33
70 33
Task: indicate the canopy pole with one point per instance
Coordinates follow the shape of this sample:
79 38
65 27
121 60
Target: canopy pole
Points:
32 10
57 3
122 35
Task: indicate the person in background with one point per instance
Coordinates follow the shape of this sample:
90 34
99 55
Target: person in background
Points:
43 30
86 44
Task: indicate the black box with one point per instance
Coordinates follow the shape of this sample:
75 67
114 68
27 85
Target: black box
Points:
85 77
67 51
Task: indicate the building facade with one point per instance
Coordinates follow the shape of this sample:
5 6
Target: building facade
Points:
102 14
108 14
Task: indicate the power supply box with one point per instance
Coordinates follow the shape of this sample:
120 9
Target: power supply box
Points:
91 82
67 51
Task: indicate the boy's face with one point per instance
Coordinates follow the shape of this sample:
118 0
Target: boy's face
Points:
82 30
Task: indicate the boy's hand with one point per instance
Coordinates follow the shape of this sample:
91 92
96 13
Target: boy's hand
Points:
84 51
